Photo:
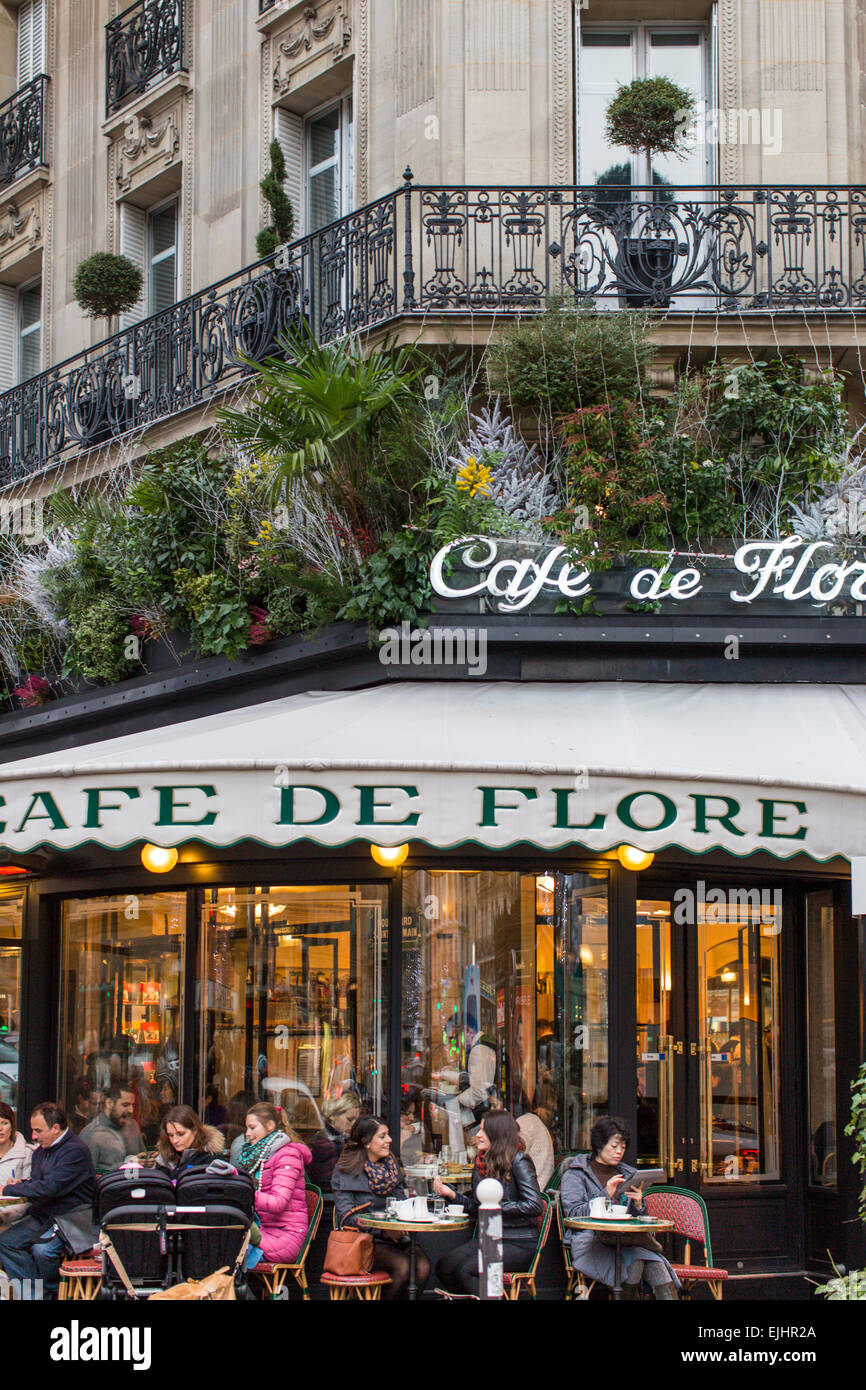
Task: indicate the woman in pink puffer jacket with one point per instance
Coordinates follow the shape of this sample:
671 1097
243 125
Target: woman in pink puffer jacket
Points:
276 1160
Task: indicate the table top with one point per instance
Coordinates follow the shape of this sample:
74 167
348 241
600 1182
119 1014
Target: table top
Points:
628 1223
386 1223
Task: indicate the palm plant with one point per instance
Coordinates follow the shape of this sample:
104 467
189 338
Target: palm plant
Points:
323 409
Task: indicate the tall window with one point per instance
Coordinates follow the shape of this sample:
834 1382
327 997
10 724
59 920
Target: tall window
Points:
10 995
329 164
121 1002
150 238
20 333
293 1008
615 56
31 41
505 985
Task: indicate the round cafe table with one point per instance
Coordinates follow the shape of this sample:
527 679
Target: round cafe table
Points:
617 1229
412 1229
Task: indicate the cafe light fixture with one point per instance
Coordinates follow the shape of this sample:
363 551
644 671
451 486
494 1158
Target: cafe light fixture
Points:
158 860
390 856
632 858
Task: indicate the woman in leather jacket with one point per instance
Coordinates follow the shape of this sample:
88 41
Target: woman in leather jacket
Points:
501 1155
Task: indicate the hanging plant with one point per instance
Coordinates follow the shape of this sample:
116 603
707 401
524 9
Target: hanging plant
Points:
105 284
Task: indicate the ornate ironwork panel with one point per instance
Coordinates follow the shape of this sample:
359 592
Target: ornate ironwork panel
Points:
444 251
22 131
142 45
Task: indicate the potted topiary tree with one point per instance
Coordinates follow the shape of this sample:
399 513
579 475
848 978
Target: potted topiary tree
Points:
649 116
105 284
283 224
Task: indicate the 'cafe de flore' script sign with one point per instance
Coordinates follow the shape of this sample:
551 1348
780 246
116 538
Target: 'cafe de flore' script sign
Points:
789 568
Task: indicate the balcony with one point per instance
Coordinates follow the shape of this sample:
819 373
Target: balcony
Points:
450 254
22 131
143 45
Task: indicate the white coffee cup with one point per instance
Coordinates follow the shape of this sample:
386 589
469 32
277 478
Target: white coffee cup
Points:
454 1209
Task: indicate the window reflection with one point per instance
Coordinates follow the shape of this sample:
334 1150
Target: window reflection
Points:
293 1009
504 986
121 1004
10 995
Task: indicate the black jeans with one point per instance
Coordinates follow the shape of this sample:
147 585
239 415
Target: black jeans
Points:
458 1272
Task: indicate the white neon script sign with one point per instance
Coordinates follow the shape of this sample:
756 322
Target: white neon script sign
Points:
782 567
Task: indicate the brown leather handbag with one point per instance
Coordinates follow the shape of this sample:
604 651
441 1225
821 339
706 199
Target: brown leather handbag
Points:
349 1252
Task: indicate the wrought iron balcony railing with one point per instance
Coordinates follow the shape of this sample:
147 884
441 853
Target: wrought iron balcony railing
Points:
142 45
22 131
453 252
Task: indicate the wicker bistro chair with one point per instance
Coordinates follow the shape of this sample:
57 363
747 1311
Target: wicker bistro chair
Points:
274 1276
513 1284
365 1287
689 1214
81 1278
575 1278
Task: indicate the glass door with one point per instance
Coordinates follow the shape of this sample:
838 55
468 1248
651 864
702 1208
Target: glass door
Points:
708 1041
10 995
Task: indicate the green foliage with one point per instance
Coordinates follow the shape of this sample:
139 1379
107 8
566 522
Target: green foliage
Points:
282 224
97 648
323 409
567 359
856 1130
847 1287
220 620
105 284
649 114
394 584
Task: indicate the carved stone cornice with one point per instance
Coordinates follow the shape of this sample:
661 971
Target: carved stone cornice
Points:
146 141
323 30
20 229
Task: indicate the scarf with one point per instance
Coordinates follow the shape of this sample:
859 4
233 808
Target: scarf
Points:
383 1176
254 1156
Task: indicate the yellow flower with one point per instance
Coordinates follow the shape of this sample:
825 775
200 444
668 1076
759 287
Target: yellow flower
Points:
474 477
693 464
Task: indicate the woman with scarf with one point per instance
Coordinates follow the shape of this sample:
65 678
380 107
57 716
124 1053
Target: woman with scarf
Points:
276 1160
367 1175
500 1155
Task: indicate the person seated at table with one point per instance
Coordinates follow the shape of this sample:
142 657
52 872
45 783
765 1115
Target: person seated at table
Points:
367 1174
602 1173
500 1154
184 1142
536 1138
61 1178
113 1136
305 1123
276 1160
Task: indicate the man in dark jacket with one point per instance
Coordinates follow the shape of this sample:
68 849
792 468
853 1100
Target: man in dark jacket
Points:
61 1178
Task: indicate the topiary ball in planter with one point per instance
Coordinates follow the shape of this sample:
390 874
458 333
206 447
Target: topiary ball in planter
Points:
651 114
105 284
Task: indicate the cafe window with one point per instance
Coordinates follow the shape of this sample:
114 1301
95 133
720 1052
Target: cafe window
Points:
10 995
293 1007
505 986
821 1023
121 1017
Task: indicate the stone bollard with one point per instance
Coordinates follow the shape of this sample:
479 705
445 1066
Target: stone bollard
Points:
489 1195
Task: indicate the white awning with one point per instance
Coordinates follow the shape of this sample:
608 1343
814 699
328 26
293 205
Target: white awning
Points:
777 768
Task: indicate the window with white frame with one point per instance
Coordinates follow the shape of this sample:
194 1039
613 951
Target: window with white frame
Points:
31 41
20 333
149 237
329 164
615 55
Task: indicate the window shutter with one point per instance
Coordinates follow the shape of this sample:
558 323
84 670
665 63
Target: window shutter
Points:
133 244
8 336
31 41
289 131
